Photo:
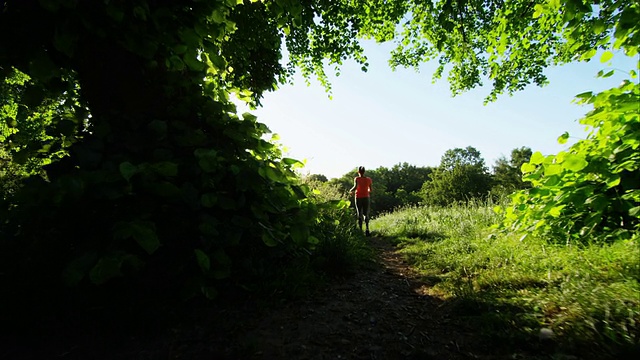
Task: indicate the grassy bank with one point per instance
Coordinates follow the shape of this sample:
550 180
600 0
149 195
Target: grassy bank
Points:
589 297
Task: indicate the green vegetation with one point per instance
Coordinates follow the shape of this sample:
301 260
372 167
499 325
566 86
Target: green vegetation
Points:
394 187
130 183
592 191
587 295
507 176
462 176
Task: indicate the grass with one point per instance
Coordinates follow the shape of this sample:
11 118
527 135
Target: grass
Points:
588 296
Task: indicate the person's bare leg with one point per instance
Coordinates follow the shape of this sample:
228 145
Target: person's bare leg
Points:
366 215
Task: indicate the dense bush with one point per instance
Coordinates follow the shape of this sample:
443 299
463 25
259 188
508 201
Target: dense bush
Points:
590 192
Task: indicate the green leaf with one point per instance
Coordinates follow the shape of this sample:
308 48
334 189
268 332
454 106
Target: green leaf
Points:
552 181
537 11
634 211
502 44
608 74
223 265
165 189
227 203
158 127
218 61
552 169
107 268
115 13
220 274
140 12
42 67
300 191
599 26
269 240
33 96
190 37
527 168
249 117
606 56
190 58
66 127
208 200
574 162
175 63
209 292
537 158
588 55
585 95
145 235
299 234
127 170
613 181
52 6
78 268
209 230
207 159
166 168
598 202
290 161
272 174
64 40
562 139
221 258
180 49
556 211
203 260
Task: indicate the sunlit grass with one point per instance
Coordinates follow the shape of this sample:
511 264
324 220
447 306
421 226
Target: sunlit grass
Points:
586 295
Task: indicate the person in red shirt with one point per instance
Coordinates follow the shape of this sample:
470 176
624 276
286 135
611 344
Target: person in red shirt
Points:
362 189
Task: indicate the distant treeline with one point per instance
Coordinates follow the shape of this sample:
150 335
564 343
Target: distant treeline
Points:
461 176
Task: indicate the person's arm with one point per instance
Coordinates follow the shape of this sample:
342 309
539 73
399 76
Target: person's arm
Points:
370 186
355 184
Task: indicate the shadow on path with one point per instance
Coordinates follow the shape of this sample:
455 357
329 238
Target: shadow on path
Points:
380 312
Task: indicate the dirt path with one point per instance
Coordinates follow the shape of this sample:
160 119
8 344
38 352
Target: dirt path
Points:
379 313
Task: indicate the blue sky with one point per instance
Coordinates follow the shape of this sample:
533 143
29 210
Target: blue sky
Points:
382 117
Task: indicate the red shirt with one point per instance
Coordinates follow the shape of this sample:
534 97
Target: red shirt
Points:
363 186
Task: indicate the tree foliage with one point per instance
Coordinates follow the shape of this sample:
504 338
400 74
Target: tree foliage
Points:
590 192
404 176
34 129
392 187
470 156
317 177
165 187
155 182
507 173
508 43
460 177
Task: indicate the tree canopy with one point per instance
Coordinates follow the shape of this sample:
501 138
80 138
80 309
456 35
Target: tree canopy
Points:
151 175
508 173
458 157
461 176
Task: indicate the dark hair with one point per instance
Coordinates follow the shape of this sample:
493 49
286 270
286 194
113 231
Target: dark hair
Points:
361 169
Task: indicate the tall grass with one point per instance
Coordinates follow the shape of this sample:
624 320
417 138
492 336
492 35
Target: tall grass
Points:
589 296
342 248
